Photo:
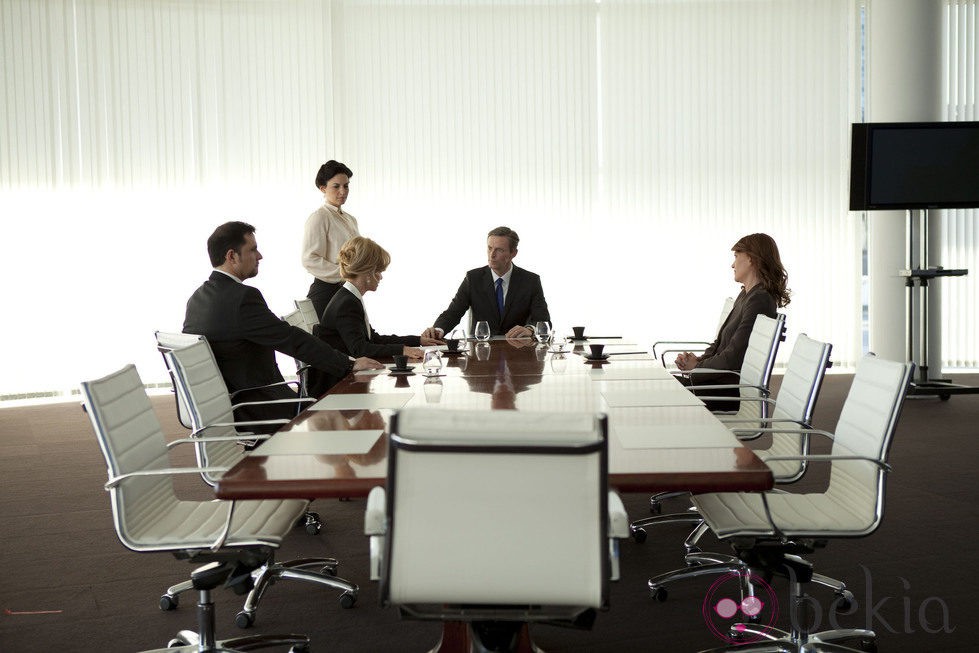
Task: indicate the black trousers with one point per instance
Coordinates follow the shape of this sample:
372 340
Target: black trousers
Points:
321 292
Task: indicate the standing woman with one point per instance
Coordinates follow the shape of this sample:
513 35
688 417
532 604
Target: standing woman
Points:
327 229
758 268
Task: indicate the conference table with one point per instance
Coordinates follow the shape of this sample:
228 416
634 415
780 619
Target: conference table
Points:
661 436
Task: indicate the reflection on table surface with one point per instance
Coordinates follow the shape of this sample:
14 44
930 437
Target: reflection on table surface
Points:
658 448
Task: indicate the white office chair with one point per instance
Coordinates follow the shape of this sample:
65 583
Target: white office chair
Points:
234 537
753 384
768 531
793 408
663 348
295 318
168 341
216 439
307 313
465 529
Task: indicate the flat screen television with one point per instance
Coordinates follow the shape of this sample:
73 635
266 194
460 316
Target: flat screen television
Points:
914 165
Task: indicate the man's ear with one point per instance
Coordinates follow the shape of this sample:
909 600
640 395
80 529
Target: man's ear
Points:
229 256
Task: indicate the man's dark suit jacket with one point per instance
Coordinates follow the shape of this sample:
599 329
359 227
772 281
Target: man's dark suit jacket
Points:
244 335
343 326
524 304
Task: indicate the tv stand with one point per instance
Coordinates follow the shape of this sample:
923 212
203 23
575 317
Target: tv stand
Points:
925 385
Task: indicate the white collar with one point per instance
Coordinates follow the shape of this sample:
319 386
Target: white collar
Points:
353 289
228 274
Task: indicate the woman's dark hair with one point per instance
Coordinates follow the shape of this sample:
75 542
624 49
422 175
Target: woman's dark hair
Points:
230 235
329 170
763 252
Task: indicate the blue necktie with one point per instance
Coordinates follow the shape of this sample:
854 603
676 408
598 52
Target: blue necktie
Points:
499 295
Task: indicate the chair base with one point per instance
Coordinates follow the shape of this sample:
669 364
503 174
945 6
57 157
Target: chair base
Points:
779 641
299 569
187 641
314 570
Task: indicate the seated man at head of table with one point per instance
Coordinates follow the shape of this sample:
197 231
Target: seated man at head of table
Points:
510 299
244 334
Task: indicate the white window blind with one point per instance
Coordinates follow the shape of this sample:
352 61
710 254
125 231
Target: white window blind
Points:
960 237
630 144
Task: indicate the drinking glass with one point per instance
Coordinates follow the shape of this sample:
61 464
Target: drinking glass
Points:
559 342
433 390
433 362
543 332
482 331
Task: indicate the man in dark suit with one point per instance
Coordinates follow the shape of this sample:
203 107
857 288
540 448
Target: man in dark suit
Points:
244 334
509 298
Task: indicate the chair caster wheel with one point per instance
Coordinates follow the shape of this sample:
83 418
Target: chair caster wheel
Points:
168 602
347 600
329 570
655 507
844 601
659 594
639 535
311 523
244 620
174 643
299 648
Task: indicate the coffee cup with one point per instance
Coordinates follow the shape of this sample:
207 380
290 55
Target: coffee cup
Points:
452 344
596 350
400 362
579 332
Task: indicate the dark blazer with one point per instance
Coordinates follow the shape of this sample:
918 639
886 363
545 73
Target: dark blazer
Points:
524 305
727 351
343 327
244 335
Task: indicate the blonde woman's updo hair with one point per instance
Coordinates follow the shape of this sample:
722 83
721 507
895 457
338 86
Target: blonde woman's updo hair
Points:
361 255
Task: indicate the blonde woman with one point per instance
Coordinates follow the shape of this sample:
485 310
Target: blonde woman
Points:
344 323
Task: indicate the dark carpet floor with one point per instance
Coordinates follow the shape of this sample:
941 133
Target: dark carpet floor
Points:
68 585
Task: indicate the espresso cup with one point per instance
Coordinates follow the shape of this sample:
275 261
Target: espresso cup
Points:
579 332
596 350
400 361
452 344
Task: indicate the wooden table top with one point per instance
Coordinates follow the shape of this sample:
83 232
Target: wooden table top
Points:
651 447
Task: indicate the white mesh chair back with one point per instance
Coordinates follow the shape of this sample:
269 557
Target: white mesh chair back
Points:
796 401
866 426
167 341
295 318
146 512
725 311
502 508
853 502
131 440
202 387
759 360
308 314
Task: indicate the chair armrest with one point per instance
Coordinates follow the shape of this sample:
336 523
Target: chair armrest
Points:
261 387
829 458
759 420
618 529
375 527
618 520
299 400
730 386
163 471
217 438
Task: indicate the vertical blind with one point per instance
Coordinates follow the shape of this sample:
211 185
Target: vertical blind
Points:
960 235
629 143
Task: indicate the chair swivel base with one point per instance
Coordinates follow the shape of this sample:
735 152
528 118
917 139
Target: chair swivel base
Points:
299 569
773 640
315 570
205 579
